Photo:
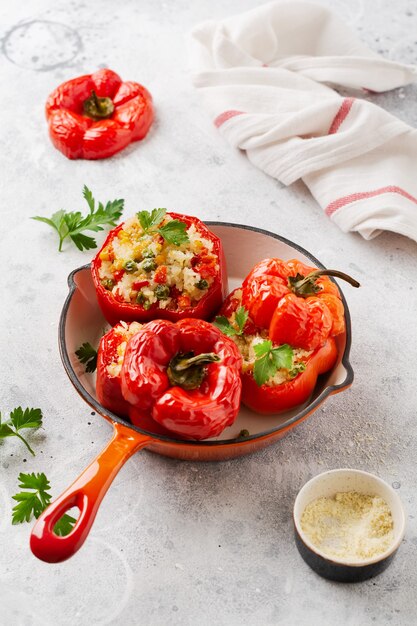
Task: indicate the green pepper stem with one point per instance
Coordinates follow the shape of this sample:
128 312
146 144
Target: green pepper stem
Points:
188 371
95 100
305 286
200 359
335 273
98 108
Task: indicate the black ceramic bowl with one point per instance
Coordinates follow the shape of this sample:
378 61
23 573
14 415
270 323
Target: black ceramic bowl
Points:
327 485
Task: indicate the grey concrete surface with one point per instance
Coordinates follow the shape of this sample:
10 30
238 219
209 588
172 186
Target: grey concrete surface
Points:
174 542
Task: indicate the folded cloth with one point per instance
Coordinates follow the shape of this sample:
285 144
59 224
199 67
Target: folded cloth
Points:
266 75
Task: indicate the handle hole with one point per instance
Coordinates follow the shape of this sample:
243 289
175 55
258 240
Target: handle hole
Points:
66 522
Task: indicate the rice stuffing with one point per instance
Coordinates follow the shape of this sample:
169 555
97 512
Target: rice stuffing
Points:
126 331
143 268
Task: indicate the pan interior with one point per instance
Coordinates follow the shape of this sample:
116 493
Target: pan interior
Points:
244 248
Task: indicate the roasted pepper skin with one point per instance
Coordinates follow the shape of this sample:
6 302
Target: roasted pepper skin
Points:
263 288
115 310
301 321
191 414
305 322
275 399
80 137
144 421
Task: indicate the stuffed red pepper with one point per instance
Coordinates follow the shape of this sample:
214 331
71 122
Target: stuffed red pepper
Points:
283 320
160 265
185 375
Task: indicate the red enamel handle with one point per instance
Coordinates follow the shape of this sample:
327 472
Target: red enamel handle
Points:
86 493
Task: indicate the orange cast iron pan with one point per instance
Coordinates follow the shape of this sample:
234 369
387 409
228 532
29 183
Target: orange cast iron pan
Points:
81 320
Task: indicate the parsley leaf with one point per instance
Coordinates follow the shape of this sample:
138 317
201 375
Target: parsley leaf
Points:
174 231
31 503
87 355
72 224
269 360
260 349
151 220
56 221
5 430
241 318
83 242
226 327
28 418
263 370
19 418
89 198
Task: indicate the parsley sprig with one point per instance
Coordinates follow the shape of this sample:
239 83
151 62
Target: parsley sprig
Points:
227 328
269 360
174 231
19 419
31 503
72 224
149 221
88 356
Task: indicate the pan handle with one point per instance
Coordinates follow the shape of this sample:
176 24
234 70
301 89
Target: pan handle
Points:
86 493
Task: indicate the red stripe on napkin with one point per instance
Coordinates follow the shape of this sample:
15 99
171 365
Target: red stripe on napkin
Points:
341 115
226 115
341 202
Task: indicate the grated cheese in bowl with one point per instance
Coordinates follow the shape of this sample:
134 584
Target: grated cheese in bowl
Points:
349 526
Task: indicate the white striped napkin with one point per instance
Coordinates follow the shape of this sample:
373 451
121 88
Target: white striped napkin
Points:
267 76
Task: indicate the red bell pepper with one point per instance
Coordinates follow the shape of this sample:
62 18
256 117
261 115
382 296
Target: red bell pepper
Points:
298 304
96 115
115 309
186 376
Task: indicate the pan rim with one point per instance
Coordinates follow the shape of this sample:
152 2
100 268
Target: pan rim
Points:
326 392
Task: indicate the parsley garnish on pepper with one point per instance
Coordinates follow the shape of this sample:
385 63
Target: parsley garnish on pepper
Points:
32 503
88 356
226 327
148 220
72 224
21 418
173 232
269 360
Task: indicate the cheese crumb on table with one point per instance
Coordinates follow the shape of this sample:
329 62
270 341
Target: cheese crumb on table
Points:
349 526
